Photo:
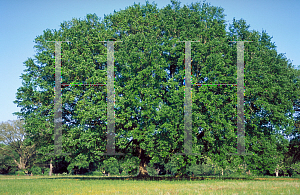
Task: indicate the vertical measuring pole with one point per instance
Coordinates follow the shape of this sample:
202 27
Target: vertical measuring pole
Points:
110 147
188 102
240 100
58 102
110 99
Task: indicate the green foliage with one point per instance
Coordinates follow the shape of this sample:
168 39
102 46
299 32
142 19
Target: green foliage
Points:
70 169
111 166
202 169
97 173
149 87
35 170
17 149
205 167
129 166
152 171
7 165
176 166
296 168
20 172
94 173
46 171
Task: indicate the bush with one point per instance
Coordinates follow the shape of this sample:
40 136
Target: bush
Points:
152 171
36 170
173 166
111 166
94 173
20 172
12 171
124 173
115 171
202 169
46 171
296 168
129 166
97 173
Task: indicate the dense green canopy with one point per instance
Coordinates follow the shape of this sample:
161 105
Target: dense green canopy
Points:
149 89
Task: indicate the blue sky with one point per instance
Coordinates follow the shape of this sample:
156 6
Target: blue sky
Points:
22 21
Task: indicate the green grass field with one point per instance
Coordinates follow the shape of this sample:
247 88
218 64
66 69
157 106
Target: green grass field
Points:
82 185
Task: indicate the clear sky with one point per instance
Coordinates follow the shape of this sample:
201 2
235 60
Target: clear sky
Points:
21 21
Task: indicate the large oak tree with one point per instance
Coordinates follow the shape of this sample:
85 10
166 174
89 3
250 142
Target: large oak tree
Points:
149 86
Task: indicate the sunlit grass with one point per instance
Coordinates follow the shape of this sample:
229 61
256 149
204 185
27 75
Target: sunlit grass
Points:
68 185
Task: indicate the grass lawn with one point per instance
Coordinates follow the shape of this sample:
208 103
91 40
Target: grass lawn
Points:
98 185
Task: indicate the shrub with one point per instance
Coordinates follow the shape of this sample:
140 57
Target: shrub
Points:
114 171
12 171
94 173
46 171
129 166
97 173
296 168
152 171
172 166
111 166
124 173
89 173
35 170
20 172
202 169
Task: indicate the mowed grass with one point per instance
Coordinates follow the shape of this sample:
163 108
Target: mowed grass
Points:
79 185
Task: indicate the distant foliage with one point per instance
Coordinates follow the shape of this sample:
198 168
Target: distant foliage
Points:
20 172
35 170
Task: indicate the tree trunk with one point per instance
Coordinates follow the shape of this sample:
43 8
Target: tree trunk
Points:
222 171
144 159
143 164
277 170
157 171
21 164
50 171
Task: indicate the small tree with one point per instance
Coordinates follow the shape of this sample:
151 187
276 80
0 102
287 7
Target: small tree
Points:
12 134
